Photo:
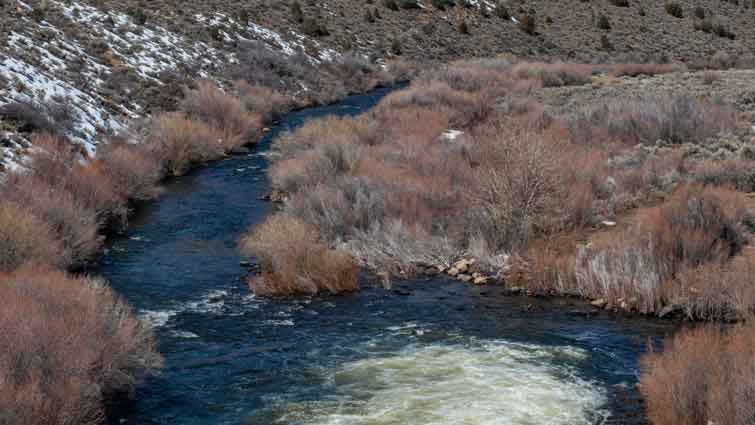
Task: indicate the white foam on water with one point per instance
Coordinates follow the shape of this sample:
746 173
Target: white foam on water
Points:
211 302
492 383
184 334
157 318
285 322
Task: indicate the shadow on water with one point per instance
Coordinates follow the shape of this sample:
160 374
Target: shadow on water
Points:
232 358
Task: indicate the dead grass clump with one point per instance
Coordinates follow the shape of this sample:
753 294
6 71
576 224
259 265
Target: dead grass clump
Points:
71 344
673 120
553 74
295 261
224 113
24 237
704 375
179 142
649 69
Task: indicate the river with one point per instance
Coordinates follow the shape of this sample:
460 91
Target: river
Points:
427 352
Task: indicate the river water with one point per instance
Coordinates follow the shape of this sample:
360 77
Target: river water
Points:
428 352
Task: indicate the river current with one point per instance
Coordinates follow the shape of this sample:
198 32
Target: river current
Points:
428 352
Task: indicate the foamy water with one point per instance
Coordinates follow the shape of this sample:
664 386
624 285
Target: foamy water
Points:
492 383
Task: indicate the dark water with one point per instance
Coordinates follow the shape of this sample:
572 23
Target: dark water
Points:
232 358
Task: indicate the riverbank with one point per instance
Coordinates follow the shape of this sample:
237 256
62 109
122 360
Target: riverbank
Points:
493 171
466 173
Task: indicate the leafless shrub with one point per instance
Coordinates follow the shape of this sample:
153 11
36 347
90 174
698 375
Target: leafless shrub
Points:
265 102
517 189
70 220
295 261
55 116
180 142
463 108
133 173
703 375
320 151
224 113
68 343
674 120
736 173
395 248
553 74
698 227
24 237
716 291
710 77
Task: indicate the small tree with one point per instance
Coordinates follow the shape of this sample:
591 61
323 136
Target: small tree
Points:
396 46
463 28
502 12
314 28
368 16
528 24
603 22
390 4
675 9
605 43
699 12
296 13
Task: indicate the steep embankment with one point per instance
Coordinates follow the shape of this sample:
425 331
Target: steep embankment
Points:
84 72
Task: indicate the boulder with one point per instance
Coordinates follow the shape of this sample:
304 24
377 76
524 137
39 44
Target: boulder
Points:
480 280
465 277
453 271
668 310
600 303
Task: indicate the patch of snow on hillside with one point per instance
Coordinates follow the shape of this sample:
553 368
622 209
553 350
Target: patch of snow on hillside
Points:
296 43
31 84
149 49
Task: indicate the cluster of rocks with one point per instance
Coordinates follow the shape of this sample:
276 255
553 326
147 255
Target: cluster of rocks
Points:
464 270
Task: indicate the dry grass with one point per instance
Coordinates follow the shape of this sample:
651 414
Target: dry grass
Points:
66 344
295 261
649 69
702 376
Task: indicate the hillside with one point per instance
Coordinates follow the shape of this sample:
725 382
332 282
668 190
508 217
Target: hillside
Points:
89 68
642 30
